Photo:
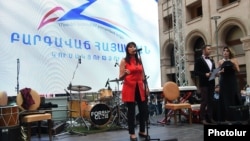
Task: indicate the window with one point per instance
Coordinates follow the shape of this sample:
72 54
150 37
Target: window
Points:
232 39
226 2
194 10
199 11
168 23
197 48
172 59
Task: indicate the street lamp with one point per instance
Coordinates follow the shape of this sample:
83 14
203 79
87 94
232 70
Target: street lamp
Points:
215 18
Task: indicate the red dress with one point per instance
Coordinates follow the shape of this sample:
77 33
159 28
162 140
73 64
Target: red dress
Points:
129 83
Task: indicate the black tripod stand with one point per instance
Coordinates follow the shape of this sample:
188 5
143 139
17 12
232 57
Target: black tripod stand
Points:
119 116
145 92
70 126
70 87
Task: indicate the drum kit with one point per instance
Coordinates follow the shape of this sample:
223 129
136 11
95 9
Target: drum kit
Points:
95 109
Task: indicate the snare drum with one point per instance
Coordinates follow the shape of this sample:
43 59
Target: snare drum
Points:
9 116
105 94
99 114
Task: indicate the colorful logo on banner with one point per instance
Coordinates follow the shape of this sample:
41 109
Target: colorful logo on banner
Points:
78 14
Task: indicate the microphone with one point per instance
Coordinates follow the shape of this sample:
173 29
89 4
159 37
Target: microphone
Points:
67 92
79 60
109 88
70 86
138 50
107 83
116 64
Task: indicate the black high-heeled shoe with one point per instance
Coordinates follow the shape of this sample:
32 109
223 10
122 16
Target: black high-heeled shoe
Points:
142 135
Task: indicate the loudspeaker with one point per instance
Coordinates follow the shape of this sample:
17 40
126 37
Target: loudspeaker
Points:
58 128
171 140
10 133
239 113
216 112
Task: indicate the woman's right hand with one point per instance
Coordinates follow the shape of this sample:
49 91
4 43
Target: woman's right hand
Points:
221 71
127 71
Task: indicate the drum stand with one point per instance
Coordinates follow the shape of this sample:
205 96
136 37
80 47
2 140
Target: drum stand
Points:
120 117
81 114
70 131
75 88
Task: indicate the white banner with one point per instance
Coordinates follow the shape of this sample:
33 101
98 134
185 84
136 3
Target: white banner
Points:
48 44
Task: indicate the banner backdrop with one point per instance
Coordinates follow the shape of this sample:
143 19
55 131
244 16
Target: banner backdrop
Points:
48 44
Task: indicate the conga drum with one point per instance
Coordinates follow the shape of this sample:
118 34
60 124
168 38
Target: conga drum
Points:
9 116
3 99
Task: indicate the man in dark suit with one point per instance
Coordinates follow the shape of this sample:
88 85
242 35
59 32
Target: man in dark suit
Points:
203 67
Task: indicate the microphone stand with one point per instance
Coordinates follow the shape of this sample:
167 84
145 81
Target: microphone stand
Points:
71 132
145 92
116 64
79 62
18 70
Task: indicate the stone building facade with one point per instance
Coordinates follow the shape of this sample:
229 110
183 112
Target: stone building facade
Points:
230 28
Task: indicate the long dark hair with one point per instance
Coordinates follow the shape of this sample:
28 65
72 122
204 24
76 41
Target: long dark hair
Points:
127 57
231 53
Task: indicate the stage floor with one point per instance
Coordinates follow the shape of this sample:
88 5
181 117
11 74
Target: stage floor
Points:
183 131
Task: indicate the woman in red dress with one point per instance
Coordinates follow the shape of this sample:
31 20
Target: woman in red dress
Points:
133 90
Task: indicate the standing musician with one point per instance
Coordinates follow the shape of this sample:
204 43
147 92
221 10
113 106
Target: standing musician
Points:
133 90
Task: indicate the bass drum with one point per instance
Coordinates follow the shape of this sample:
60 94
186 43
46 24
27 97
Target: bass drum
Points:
98 114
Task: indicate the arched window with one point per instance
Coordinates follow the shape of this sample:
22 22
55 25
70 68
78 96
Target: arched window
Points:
233 40
197 47
197 53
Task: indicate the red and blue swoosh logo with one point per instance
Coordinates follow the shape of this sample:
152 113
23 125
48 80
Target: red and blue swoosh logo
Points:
78 14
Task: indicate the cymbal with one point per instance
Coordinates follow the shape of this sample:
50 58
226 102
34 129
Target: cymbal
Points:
79 88
115 80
